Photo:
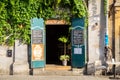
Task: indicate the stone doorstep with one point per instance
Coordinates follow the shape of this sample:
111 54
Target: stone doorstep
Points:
19 68
57 67
51 70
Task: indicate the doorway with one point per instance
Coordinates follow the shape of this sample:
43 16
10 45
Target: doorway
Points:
54 48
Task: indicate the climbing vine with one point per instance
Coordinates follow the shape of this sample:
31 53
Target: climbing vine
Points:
105 7
15 16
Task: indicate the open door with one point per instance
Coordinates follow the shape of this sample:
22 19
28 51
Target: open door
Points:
55 48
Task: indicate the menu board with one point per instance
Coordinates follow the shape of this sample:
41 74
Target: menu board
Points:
37 36
78 37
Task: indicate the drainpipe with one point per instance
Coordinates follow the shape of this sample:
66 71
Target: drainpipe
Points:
87 52
87 41
106 31
87 38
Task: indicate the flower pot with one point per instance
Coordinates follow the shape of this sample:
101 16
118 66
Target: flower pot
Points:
64 63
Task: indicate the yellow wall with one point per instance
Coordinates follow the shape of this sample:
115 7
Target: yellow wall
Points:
117 34
111 27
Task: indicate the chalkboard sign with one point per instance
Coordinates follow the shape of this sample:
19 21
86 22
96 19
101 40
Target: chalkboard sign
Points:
37 36
78 37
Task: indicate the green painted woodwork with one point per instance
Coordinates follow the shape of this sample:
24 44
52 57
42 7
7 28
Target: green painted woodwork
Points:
36 25
78 43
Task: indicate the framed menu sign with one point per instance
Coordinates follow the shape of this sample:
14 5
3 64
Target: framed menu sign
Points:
78 42
78 37
37 36
37 43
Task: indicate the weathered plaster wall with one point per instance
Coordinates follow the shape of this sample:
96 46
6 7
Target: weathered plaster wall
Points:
96 30
18 63
21 65
5 62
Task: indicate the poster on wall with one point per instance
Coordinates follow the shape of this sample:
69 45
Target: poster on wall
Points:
37 52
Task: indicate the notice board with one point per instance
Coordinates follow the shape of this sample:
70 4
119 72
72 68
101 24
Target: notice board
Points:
78 43
37 43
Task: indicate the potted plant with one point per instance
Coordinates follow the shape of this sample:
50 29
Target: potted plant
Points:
64 59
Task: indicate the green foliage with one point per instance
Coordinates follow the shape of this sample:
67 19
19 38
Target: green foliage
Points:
64 57
15 16
63 39
78 8
105 7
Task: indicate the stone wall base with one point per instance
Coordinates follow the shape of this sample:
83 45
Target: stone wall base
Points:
20 68
5 65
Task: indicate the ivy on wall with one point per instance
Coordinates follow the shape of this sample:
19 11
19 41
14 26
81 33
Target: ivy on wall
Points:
105 7
15 16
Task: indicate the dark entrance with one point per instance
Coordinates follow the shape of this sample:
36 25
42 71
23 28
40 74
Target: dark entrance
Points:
54 48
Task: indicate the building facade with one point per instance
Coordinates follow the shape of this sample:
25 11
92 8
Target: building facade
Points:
20 60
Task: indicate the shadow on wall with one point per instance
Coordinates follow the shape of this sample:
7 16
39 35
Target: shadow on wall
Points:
102 31
13 56
118 70
11 69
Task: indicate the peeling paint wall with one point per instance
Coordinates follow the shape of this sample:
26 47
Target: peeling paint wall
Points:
5 62
96 30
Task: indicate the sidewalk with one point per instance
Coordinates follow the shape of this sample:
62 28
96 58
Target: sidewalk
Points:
30 77
57 73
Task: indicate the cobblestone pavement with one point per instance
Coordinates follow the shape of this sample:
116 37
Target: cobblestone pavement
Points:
30 77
